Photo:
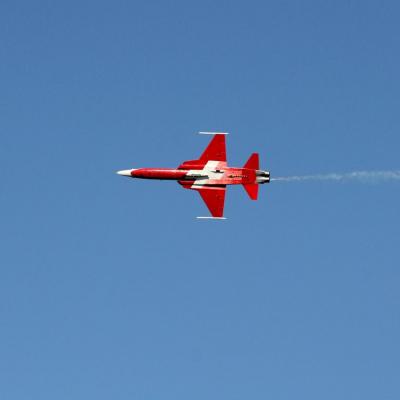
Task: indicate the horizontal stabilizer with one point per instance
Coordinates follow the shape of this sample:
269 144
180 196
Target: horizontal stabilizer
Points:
253 162
252 190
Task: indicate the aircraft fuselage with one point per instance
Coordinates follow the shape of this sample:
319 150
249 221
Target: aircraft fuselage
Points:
212 176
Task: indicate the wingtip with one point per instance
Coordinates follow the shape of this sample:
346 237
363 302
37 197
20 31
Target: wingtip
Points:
213 133
211 218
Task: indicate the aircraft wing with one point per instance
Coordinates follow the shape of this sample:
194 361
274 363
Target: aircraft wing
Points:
216 149
213 157
214 197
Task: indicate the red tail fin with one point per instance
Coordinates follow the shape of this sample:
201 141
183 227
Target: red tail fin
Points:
252 190
253 162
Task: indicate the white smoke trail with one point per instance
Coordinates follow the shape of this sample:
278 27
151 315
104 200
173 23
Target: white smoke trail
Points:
362 176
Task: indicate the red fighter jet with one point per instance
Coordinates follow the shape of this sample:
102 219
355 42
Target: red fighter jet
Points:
210 175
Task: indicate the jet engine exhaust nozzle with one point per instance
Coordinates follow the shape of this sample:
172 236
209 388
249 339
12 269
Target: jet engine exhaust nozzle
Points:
263 176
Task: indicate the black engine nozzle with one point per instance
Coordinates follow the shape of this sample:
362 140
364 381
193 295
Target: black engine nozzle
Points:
263 173
263 176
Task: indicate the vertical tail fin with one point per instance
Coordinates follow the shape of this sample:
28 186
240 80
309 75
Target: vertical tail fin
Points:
253 162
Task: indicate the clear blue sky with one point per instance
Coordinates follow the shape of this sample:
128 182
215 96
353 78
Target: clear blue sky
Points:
110 288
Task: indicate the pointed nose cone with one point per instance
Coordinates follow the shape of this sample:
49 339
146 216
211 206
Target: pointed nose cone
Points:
125 172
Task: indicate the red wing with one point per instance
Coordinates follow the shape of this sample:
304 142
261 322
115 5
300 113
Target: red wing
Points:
216 150
214 197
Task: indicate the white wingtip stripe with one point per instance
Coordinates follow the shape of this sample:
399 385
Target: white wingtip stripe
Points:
213 133
210 217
